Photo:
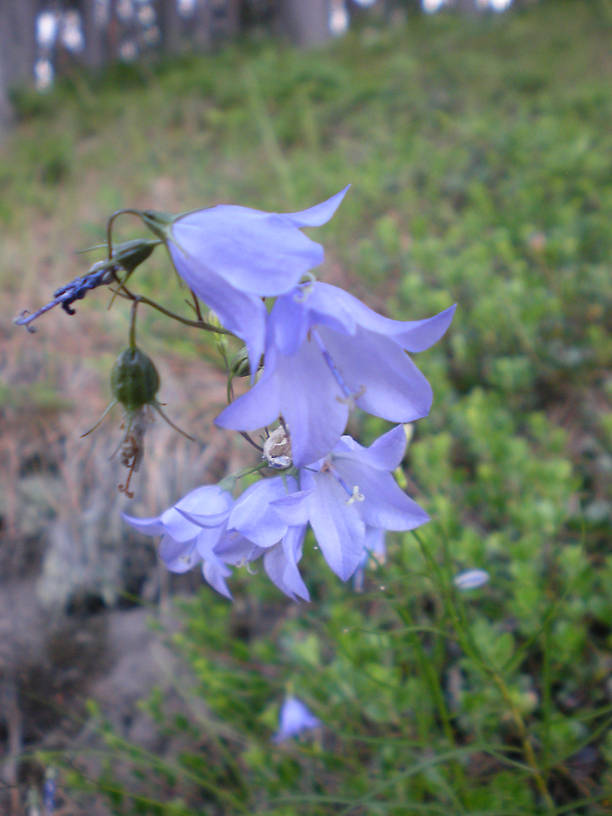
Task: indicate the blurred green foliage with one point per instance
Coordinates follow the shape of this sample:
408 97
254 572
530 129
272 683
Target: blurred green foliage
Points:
480 152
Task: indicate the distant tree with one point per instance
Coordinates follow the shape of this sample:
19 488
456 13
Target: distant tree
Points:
170 25
17 49
201 31
306 23
94 54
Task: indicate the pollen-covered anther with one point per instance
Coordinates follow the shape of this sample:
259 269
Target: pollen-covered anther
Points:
356 496
277 448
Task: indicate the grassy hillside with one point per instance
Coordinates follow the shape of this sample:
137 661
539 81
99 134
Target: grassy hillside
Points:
480 154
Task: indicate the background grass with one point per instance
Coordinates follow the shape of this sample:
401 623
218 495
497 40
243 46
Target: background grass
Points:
480 154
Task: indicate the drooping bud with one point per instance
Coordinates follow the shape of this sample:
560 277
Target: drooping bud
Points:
130 254
239 364
134 379
134 383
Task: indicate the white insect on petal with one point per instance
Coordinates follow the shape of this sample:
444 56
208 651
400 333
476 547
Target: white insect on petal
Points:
277 449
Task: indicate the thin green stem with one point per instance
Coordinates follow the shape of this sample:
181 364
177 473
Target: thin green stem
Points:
109 226
461 625
431 679
124 292
135 303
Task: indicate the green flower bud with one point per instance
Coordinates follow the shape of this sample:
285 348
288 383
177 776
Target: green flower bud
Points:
239 364
131 254
134 379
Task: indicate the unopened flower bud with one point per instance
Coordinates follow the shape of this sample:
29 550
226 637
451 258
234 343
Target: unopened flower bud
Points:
239 364
134 379
130 254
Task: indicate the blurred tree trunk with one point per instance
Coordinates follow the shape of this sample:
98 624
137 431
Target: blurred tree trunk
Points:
5 105
306 23
112 31
225 18
170 26
201 25
17 49
466 6
94 52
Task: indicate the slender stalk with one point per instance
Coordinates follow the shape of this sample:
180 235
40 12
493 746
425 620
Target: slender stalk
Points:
431 678
132 341
124 292
457 615
109 226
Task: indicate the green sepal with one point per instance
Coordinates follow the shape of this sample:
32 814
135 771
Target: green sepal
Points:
158 222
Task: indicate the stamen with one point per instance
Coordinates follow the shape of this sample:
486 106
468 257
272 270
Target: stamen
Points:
356 496
349 396
352 398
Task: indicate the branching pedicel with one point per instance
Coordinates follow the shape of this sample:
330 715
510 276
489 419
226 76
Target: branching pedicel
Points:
315 356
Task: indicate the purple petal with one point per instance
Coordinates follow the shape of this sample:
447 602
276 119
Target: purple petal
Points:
206 500
295 509
208 538
312 403
412 335
178 526
337 526
294 718
385 453
253 515
215 572
178 556
392 387
149 526
288 323
256 252
258 407
320 213
304 391
280 563
375 542
384 505
234 548
241 313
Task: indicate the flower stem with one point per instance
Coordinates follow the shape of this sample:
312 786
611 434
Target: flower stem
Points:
124 292
456 613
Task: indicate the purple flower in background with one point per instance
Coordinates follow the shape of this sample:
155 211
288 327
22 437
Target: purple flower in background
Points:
294 718
231 256
194 531
326 352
